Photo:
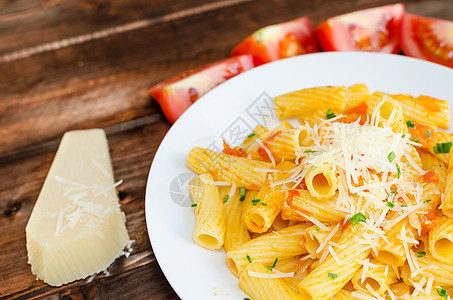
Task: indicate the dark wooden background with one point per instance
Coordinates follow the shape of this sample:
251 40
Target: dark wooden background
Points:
74 64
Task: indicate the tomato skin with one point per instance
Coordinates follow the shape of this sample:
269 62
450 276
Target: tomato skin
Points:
279 41
176 94
419 35
375 29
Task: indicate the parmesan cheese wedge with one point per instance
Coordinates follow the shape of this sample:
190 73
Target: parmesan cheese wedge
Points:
76 228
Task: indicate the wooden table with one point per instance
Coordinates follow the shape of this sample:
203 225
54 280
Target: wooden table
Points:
78 64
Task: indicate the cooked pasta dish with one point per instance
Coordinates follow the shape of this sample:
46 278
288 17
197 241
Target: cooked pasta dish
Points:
355 202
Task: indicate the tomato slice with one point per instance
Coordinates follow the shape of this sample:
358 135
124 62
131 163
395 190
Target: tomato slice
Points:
279 41
427 38
176 94
374 30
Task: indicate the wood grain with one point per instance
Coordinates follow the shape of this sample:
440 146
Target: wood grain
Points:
76 64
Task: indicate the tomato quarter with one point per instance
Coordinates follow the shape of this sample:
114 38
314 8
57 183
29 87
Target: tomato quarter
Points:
176 94
427 38
279 41
374 29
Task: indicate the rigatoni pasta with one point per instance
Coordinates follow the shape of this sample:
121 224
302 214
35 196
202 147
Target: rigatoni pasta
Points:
353 203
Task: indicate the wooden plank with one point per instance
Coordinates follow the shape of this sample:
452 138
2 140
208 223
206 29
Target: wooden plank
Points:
60 19
132 152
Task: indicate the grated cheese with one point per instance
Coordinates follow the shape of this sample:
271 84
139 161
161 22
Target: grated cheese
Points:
328 238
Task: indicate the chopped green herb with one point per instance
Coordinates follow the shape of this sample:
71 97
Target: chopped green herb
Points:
398 171
442 148
225 199
330 114
263 204
332 275
391 156
242 193
247 299
273 265
442 293
404 205
358 217
410 124
415 140
251 135
390 204
426 201
403 136
255 201
249 258
194 205
317 229
427 134
421 254
309 151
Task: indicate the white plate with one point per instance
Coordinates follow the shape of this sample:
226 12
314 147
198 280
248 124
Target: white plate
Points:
230 111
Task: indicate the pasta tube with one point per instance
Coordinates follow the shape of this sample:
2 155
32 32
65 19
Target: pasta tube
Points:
296 103
430 267
376 275
257 282
333 273
285 145
265 249
357 94
301 206
253 144
209 215
235 232
423 109
321 181
262 210
316 239
429 160
227 167
441 241
387 112
447 202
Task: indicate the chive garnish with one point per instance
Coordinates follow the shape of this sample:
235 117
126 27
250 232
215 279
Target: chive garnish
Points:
330 114
428 134
194 205
442 148
398 171
410 124
415 140
263 204
358 217
249 258
421 254
332 275
442 293
390 204
309 151
225 199
426 201
251 135
273 265
242 193
255 201
318 229
391 156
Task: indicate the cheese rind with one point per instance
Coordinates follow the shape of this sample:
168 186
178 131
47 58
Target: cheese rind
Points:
76 228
